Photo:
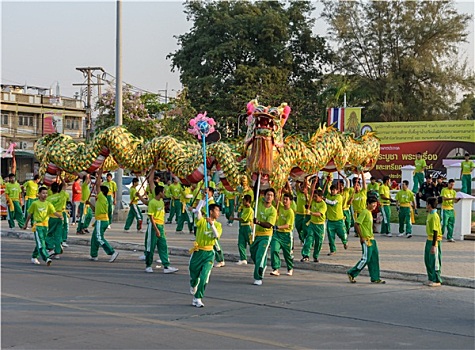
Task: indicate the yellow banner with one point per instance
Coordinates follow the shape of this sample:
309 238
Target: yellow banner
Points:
402 132
353 120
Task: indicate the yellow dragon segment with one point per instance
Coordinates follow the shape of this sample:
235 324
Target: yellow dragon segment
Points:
264 150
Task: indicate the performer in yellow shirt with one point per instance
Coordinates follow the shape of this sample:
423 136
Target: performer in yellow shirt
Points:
418 177
448 213
111 196
13 193
405 198
31 192
433 249
134 211
466 168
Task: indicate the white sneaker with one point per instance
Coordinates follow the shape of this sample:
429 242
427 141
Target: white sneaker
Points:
197 302
170 269
389 235
193 290
451 240
142 257
140 231
242 262
275 273
12 229
159 261
290 272
114 256
401 235
50 252
126 231
109 226
48 261
94 258
409 235
230 224
220 264
149 269
65 245
258 282
35 261
56 257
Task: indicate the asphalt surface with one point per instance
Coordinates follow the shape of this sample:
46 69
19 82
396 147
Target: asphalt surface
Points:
79 304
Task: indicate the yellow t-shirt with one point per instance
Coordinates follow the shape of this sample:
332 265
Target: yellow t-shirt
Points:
433 224
335 211
320 207
156 208
204 234
112 186
31 188
405 198
40 211
301 202
420 165
175 191
384 191
102 208
285 217
133 198
359 201
58 200
85 192
247 215
467 167
265 215
448 205
365 220
13 190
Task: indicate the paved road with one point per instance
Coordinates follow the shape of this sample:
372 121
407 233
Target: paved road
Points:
79 304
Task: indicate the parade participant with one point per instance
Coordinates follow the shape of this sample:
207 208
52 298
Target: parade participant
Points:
175 190
31 193
85 212
466 168
282 237
155 234
448 213
13 193
39 211
101 214
316 227
404 199
418 174
229 203
433 249
359 199
201 261
370 254
134 210
265 221
347 193
385 201
441 184
335 222
243 190
245 229
427 190
301 214
184 213
77 194
111 196
373 185
55 225
65 226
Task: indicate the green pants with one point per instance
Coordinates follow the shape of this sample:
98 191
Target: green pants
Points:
229 211
405 220
175 209
418 180
467 184
182 217
315 235
134 213
40 249
386 223
281 240
85 217
244 239
347 220
201 264
16 214
152 241
98 239
301 225
65 228
218 252
338 228
369 257
259 255
433 262
55 235
110 209
448 221
28 203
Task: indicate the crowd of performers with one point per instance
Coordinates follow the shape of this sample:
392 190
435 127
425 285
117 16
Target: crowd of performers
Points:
313 207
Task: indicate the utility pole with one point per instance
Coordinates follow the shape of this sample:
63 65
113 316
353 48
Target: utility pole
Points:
166 93
118 93
88 72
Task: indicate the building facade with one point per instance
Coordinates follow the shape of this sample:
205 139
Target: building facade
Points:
27 114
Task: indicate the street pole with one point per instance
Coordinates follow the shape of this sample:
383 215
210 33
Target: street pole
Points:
118 95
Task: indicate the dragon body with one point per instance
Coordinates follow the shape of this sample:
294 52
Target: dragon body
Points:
263 151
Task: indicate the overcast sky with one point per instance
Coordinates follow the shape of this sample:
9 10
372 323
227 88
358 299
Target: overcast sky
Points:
44 42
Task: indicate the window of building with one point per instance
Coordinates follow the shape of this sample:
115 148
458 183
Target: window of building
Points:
4 119
72 123
25 119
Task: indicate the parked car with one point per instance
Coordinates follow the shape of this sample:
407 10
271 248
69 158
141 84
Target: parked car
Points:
126 201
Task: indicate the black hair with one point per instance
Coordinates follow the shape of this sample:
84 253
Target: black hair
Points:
104 190
11 175
247 198
319 193
213 206
211 189
405 182
451 180
269 190
158 190
36 177
332 187
371 199
386 178
135 180
109 174
55 187
372 178
432 201
42 188
288 195
419 153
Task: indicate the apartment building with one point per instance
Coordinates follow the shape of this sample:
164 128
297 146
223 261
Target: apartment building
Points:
27 114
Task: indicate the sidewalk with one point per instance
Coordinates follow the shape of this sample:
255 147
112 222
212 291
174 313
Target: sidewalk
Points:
400 258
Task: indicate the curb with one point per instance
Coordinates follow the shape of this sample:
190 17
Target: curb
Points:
323 267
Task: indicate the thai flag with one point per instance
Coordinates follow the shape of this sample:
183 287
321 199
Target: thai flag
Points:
337 115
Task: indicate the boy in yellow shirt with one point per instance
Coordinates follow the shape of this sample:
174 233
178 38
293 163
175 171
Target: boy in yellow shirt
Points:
316 228
405 198
282 237
31 192
245 228
433 250
448 213
466 168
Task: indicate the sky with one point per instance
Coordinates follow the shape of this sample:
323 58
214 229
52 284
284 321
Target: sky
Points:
44 42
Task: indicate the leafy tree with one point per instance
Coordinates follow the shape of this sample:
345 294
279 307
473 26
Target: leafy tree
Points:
401 56
237 50
135 116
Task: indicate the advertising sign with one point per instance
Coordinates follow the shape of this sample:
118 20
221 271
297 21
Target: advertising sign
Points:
436 140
